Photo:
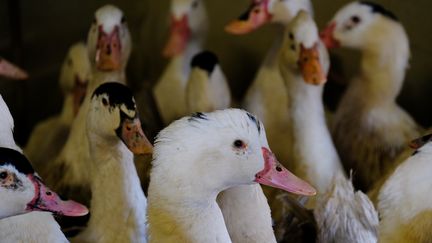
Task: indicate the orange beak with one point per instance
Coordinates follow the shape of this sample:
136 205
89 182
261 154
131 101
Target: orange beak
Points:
134 138
79 92
255 16
327 36
310 66
108 50
11 71
180 33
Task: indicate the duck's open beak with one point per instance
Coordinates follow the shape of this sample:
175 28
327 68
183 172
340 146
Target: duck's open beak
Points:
179 36
79 92
108 50
255 16
275 175
134 137
11 71
419 142
327 36
47 200
310 65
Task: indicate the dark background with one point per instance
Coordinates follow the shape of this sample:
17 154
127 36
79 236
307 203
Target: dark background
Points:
49 27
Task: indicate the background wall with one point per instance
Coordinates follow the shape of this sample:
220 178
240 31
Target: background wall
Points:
49 27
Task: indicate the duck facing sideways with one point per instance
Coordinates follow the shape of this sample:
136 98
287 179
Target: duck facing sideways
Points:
118 203
382 127
50 135
197 157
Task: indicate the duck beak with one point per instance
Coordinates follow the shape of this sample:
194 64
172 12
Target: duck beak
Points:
180 33
47 200
11 71
134 137
255 16
79 92
327 36
108 50
275 175
310 65
419 142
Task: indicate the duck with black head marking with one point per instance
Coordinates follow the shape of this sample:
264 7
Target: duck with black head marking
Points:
369 128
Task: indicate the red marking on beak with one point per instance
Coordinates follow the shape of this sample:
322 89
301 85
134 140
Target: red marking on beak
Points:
11 71
108 50
79 92
275 175
180 33
255 16
420 142
327 36
47 200
134 137
310 65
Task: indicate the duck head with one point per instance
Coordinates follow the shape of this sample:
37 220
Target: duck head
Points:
113 115
302 50
219 150
22 190
109 40
361 25
9 70
261 12
75 74
188 19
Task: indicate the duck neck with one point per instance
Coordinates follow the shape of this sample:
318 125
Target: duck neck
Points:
272 55
313 147
67 114
100 77
117 198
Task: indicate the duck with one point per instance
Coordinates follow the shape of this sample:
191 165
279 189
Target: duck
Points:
11 71
185 181
109 48
34 226
341 213
404 201
50 135
267 97
382 127
114 132
207 88
188 32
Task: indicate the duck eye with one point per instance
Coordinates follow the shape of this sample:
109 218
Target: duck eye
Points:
239 144
94 20
69 62
3 175
355 19
123 20
104 101
195 4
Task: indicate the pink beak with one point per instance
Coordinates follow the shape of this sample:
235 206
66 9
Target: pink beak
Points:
275 175
134 137
108 50
328 38
11 71
180 33
256 16
47 200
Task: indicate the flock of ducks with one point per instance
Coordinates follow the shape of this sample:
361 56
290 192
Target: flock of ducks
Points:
206 169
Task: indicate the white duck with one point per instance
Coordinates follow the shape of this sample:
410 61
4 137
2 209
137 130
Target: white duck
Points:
342 214
382 127
188 32
50 135
197 157
207 88
118 203
9 70
267 97
404 202
33 226
109 48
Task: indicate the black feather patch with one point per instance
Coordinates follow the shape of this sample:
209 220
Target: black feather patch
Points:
197 116
117 94
16 159
376 8
420 142
205 60
255 120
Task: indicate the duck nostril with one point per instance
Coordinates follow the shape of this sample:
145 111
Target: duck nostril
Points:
128 128
278 168
48 193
